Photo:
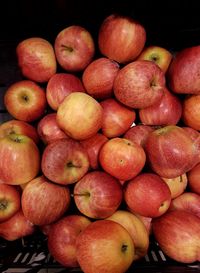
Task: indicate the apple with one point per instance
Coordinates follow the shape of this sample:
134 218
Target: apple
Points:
25 100
183 72
93 145
136 229
191 111
188 201
160 55
15 126
36 59
122 158
177 185
117 118
194 179
74 48
80 115
121 38
10 201
97 194
59 86
105 246
62 238
170 151
48 129
16 227
44 202
178 235
20 159
98 77
167 111
147 221
148 195
139 84
64 161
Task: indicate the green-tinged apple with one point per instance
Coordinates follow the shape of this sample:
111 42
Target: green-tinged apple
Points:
44 202
97 195
80 115
194 179
10 201
191 111
64 161
122 158
36 59
105 246
178 235
59 86
62 237
136 229
121 38
25 100
20 159
98 77
117 118
148 195
139 84
74 48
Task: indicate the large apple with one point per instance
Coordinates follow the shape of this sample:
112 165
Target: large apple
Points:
121 38
10 201
105 246
194 179
178 235
139 84
44 202
122 158
62 238
148 195
80 115
74 48
64 161
25 100
59 86
98 77
191 111
36 59
97 195
20 159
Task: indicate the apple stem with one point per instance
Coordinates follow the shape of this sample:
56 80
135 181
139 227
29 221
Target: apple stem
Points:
81 194
71 164
68 48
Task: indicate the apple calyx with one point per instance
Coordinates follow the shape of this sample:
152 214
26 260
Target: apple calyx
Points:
25 98
3 204
15 138
124 248
67 48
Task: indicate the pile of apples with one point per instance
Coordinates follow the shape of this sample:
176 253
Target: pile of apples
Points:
103 147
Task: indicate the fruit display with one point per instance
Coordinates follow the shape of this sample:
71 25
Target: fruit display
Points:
100 151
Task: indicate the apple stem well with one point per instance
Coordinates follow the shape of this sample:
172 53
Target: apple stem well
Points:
68 48
70 164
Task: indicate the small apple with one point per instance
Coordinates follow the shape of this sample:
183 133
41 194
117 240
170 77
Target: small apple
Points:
191 111
74 48
25 100
105 246
194 179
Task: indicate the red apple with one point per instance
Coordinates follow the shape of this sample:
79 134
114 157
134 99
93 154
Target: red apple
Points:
16 227
20 159
183 73
74 48
36 59
148 195
62 239
80 115
178 234
105 246
64 161
10 201
194 179
25 100
117 118
139 84
48 129
122 158
121 38
44 202
166 111
59 86
93 146
160 55
97 195
191 111
14 126
98 77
